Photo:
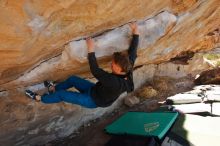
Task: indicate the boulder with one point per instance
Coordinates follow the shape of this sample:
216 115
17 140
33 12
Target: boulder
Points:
211 76
131 101
146 92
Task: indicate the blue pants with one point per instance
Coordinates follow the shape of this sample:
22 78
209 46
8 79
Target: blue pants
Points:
83 97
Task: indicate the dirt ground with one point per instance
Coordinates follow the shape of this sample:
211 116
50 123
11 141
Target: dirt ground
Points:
93 134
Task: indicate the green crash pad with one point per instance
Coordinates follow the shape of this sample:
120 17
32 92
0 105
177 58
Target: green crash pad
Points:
154 124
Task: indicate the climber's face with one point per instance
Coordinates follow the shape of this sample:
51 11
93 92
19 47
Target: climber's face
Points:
116 69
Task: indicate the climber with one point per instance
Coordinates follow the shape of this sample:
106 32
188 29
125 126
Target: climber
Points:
109 85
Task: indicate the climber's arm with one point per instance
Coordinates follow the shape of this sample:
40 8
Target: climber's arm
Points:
104 77
132 51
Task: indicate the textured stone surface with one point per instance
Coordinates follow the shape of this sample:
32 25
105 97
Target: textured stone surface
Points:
38 38
74 55
44 40
35 31
208 77
203 98
25 122
131 101
147 92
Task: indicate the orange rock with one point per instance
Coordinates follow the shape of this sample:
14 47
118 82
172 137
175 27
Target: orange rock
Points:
33 32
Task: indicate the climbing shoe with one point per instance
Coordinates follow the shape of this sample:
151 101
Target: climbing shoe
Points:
31 94
49 84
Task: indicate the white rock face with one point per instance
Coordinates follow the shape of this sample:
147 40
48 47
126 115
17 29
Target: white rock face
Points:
118 39
198 129
203 98
37 24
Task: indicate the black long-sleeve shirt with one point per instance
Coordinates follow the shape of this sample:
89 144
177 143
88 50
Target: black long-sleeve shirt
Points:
109 85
